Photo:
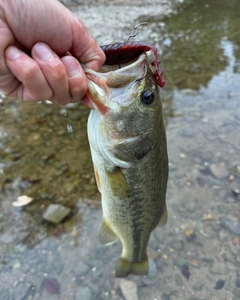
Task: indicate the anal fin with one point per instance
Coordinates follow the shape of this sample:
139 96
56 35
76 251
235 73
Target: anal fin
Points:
106 235
164 217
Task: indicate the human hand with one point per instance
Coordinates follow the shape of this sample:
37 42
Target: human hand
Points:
41 44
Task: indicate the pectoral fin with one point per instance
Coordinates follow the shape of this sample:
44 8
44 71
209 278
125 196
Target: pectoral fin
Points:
106 235
118 183
98 179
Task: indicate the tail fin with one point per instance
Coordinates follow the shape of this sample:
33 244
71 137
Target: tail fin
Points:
124 268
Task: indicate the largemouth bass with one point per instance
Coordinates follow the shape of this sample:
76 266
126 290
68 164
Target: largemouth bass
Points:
129 150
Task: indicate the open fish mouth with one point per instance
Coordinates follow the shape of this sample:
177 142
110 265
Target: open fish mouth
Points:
122 66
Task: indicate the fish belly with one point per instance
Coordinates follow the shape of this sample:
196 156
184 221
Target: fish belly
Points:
133 203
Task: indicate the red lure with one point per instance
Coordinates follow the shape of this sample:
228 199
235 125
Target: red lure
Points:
121 53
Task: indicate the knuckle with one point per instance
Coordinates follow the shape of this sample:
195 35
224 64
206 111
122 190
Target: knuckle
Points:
30 72
36 94
58 73
78 86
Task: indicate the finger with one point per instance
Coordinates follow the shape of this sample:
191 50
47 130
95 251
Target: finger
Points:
85 47
76 78
6 76
29 82
54 72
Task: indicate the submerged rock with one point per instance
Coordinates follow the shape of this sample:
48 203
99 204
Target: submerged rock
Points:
219 284
219 171
83 293
5 295
230 225
152 268
235 170
218 268
55 213
235 192
129 289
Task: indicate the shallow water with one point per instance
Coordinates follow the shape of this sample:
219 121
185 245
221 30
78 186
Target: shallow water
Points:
45 155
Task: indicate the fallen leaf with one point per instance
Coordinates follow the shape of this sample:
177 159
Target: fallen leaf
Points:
185 271
51 285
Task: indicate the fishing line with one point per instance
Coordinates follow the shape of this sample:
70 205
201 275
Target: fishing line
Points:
136 30
165 72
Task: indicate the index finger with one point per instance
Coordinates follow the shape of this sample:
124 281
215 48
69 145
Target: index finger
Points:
6 76
86 49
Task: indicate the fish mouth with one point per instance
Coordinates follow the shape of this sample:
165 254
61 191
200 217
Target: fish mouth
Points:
87 102
96 93
105 85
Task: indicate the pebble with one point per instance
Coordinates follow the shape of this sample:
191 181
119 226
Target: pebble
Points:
146 293
159 234
237 282
190 235
178 279
209 248
236 292
83 293
21 291
55 213
218 268
219 171
5 295
219 284
128 289
198 286
152 253
173 297
57 265
81 269
236 170
190 206
230 225
152 268
235 192
180 261
177 245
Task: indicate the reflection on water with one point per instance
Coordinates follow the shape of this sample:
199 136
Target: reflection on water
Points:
44 154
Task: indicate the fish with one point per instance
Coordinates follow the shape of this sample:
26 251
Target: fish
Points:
129 149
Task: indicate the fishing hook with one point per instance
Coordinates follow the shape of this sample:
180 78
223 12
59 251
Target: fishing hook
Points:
136 30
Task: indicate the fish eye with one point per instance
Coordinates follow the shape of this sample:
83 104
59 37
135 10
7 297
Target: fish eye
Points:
147 97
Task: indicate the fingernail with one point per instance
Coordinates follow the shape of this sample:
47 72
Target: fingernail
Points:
72 67
42 51
12 53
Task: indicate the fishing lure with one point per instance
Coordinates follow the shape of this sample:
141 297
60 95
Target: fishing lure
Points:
121 53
